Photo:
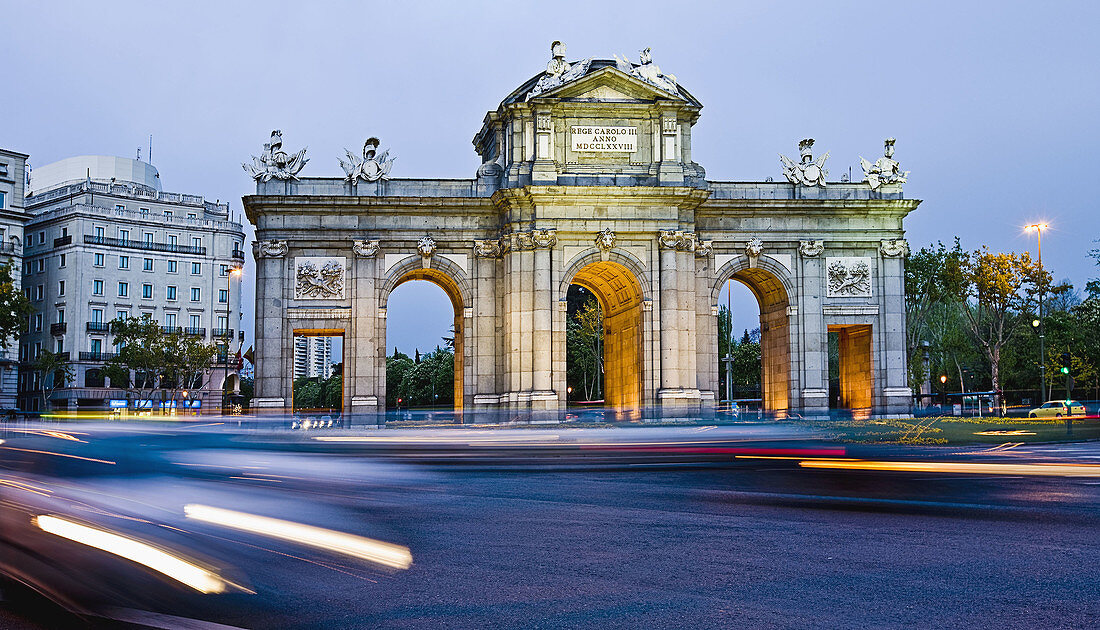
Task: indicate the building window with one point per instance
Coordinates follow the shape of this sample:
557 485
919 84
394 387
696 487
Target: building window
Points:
97 316
171 239
147 264
59 346
223 322
64 232
194 321
148 238
97 345
171 294
60 288
170 320
28 240
123 262
123 235
61 262
38 293
99 232
196 241
147 291
60 316
37 349
144 211
2 196
123 289
38 322
41 238
167 214
122 314
224 271
97 260
97 287
223 296
172 266
196 294
119 206
40 264
192 215
196 269
27 268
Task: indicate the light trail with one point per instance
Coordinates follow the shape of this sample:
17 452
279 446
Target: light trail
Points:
1037 470
376 551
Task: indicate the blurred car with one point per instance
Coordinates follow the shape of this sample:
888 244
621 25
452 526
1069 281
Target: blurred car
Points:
1057 409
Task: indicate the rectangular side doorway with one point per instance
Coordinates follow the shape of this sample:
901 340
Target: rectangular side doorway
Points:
318 371
851 368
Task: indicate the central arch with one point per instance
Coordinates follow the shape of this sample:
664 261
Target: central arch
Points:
443 278
766 281
620 296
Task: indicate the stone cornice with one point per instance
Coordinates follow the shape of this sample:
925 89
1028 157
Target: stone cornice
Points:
683 197
895 207
256 205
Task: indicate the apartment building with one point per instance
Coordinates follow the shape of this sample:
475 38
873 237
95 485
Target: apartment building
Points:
103 241
312 357
13 168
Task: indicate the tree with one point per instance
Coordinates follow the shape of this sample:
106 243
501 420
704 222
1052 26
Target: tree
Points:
933 279
53 371
994 288
142 348
188 362
584 344
14 307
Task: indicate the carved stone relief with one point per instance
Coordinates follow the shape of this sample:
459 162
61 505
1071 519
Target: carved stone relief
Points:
808 171
811 249
270 249
885 170
893 248
274 163
487 249
319 277
848 276
704 249
677 239
365 249
372 167
605 240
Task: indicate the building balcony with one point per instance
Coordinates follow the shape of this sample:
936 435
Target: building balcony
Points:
238 254
58 328
144 245
64 356
222 332
98 327
194 332
8 248
168 330
62 241
96 356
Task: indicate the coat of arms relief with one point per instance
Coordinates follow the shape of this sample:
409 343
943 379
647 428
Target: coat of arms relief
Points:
319 278
848 276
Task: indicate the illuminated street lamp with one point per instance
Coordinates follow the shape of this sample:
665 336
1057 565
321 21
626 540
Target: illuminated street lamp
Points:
1039 227
943 388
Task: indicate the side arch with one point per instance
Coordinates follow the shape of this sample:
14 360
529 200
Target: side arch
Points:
450 277
773 287
593 255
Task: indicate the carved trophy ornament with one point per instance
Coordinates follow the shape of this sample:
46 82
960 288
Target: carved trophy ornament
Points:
885 170
893 247
558 71
810 249
365 249
807 172
318 278
270 249
372 167
274 163
544 238
704 249
848 277
605 240
676 239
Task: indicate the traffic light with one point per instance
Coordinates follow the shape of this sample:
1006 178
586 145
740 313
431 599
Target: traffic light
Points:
1065 363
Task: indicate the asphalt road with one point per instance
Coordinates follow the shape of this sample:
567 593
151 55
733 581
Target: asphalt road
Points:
764 546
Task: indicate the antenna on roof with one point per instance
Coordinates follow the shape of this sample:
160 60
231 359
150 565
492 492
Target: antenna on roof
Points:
150 148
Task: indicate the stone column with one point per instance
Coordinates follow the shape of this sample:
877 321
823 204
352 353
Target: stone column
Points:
542 319
892 360
815 335
274 345
482 339
669 314
361 350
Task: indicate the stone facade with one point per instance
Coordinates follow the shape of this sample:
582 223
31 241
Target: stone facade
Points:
590 181
13 216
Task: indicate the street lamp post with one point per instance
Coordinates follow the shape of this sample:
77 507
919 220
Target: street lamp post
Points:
1039 227
943 390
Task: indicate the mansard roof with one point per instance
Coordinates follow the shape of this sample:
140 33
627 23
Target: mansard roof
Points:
636 90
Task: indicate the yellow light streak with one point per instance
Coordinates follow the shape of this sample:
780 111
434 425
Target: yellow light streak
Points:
1038 470
167 564
31 450
376 551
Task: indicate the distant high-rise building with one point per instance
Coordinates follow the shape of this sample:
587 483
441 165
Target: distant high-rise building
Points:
103 241
13 168
312 357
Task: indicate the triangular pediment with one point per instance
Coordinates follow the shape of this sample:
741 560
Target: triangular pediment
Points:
612 85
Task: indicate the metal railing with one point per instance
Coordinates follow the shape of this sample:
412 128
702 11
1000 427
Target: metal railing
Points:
238 254
61 241
144 245
8 248
97 327
194 332
96 356
222 332
58 328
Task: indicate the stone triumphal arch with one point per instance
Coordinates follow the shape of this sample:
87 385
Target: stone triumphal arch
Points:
587 178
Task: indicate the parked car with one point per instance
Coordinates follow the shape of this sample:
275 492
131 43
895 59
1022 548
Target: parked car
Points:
1057 409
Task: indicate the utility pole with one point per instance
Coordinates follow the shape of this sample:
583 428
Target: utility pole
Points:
1039 227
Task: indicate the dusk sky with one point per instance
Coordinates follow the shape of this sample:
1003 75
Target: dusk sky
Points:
994 105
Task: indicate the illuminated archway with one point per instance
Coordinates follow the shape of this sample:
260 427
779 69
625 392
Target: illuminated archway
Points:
445 279
766 281
620 297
